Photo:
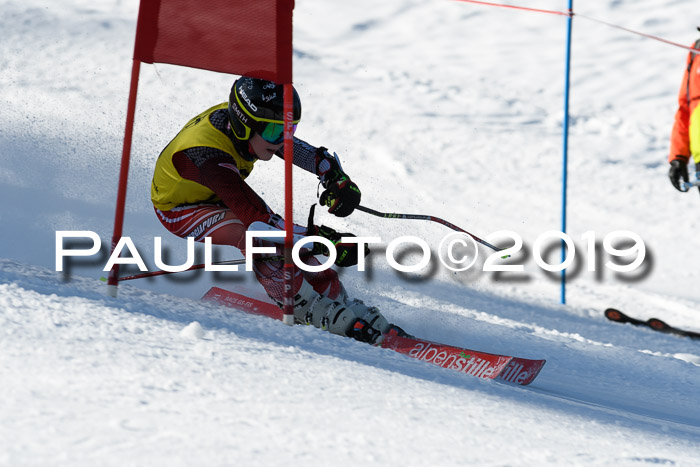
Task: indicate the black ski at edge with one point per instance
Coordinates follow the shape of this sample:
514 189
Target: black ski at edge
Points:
653 323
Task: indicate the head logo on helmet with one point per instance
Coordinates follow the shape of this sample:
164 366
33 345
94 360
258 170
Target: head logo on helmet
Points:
256 105
245 97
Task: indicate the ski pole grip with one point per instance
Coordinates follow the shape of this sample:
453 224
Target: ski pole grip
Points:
694 181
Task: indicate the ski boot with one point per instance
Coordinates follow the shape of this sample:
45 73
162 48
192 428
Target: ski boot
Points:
371 326
351 318
334 316
363 332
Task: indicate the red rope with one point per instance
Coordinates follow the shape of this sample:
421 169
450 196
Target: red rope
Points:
563 13
649 36
553 12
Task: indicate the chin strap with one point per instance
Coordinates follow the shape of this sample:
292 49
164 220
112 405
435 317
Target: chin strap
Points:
250 153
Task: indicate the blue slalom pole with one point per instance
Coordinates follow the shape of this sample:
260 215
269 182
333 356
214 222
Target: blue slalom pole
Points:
566 147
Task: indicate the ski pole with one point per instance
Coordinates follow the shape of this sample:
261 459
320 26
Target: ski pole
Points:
685 186
423 218
694 181
201 266
428 218
192 268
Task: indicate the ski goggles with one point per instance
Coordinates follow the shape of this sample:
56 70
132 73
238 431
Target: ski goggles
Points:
273 133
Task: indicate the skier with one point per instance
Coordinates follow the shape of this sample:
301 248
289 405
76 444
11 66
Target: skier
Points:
685 137
199 190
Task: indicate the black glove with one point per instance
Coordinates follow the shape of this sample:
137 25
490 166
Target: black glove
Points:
678 171
347 252
341 197
341 194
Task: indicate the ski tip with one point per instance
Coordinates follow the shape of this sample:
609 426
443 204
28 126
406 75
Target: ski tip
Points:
658 325
613 314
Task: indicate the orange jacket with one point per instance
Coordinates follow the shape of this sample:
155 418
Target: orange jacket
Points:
688 98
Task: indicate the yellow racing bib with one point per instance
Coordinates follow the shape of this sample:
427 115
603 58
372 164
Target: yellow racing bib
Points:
168 188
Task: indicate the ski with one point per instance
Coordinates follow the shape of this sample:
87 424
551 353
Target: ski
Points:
653 323
484 365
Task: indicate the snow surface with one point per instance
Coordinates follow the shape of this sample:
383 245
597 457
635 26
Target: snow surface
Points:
436 107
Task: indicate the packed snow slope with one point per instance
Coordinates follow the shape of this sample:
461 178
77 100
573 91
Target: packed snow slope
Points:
435 107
